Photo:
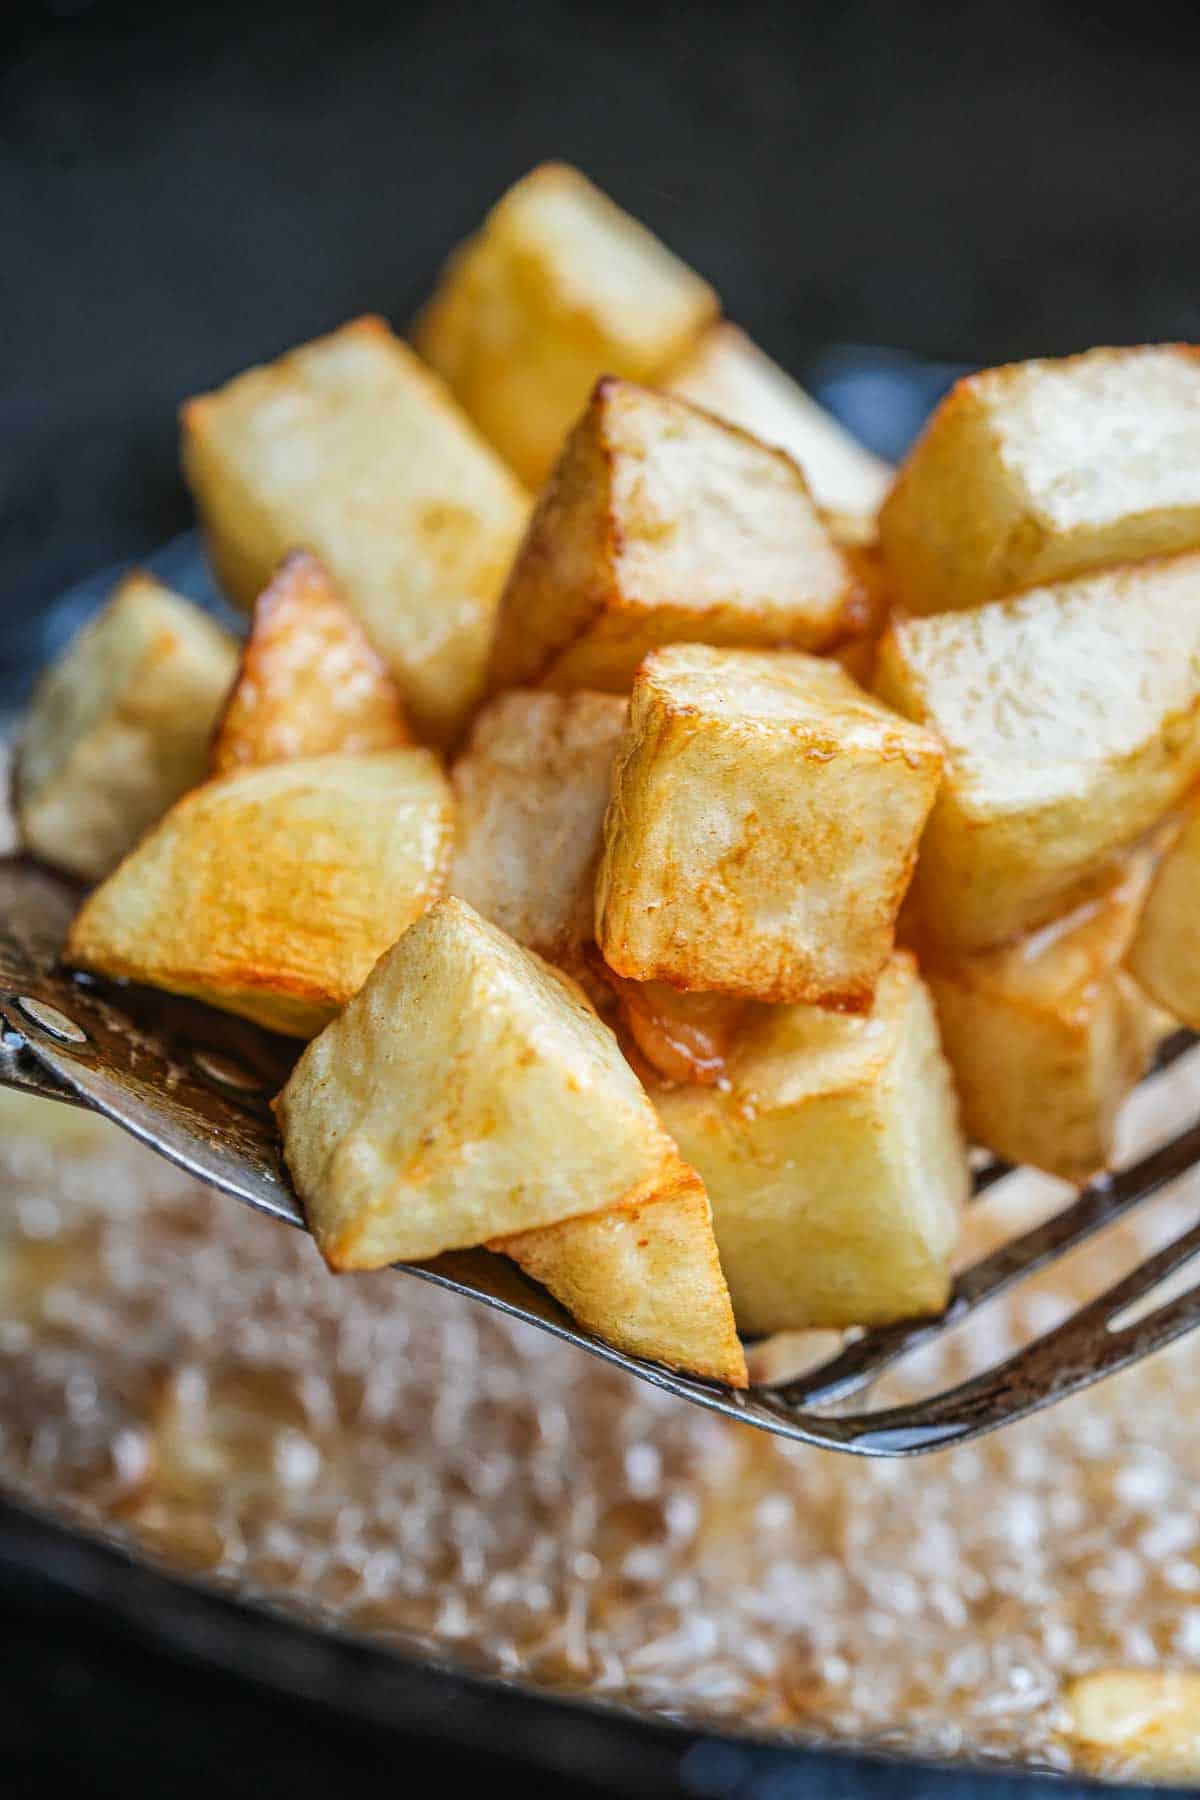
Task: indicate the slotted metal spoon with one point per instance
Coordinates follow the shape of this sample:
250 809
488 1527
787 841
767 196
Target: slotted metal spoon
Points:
193 1084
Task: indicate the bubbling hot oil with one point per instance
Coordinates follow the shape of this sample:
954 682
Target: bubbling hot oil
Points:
182 1372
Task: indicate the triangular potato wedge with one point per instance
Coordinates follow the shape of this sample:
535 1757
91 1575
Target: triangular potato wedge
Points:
662 524
309 682
646 1278
466 1093
272 892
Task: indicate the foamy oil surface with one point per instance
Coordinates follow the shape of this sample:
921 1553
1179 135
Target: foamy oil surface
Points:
183 1372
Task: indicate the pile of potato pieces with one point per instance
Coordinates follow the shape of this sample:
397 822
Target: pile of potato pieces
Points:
616 990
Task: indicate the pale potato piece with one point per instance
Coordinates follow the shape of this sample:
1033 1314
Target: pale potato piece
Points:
271 892
763 827
309 682
532 784
1045 470
1165 956
727 374
1071 721
349 447
1140 1723
1047 1037
662 525
468 1092
119 727
833 1160
558 288
646 1278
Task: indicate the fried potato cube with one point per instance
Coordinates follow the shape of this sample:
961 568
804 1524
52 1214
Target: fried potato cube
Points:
833 1160
1071 722
727 374
119 727
1165 955
350 448
558 288
468 1092
763 827
532 784
309 683
1042 471
1048 1036
271 892
661 525
646 1278
1140 1723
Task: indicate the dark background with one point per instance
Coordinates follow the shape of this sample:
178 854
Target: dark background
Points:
184 189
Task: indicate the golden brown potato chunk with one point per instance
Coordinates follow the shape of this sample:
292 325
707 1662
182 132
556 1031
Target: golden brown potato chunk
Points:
119 727
1046 470
1165 956
662 525
727 374
833 1160
1071 721
309 682
468 1092
350 448
763 827
1047 1036
1141 1724
646 1278
532 784
558 288
271 892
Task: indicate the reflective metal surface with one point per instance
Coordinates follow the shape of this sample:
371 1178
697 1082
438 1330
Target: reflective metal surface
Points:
192 1084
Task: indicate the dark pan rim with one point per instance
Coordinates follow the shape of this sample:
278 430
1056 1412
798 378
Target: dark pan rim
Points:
212 1624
